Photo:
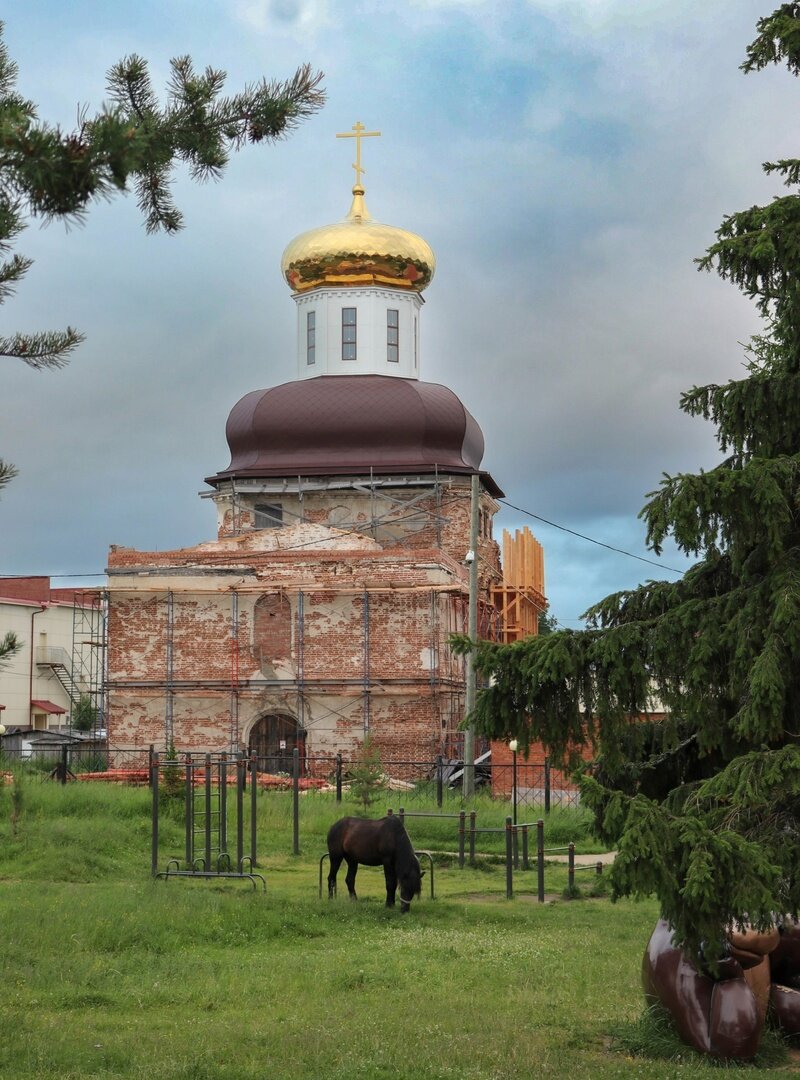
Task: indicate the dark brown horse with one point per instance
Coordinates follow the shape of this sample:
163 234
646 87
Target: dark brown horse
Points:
375 843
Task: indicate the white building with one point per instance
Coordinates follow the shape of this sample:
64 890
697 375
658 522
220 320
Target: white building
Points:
61 654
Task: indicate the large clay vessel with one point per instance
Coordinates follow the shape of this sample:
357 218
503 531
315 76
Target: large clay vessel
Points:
721 1016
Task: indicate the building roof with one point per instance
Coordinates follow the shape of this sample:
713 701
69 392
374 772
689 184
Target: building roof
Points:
35 590
46 706
344 424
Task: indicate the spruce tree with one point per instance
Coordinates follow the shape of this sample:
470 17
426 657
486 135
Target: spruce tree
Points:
135 141
367 779
703 807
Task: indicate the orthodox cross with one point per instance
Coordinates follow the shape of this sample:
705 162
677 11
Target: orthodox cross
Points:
358 133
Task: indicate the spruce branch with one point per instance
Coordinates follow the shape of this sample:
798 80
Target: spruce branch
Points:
778 40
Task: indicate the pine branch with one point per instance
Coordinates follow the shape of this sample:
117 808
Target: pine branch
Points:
44 350
12 271
9 646
48 173
7 473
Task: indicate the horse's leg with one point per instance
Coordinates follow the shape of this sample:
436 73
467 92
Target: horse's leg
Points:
336 862
390 874
352 870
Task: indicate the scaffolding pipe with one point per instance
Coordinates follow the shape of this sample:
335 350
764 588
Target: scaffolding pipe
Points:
365 615
168 704
301 636
472 630
234 705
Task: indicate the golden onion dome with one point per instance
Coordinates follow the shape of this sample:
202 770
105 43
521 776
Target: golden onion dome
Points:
358 251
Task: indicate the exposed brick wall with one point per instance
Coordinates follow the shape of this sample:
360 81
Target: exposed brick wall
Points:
272 630
339 640
387 516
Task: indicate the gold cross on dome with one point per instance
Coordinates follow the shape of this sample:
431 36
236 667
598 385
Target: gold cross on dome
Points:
358 133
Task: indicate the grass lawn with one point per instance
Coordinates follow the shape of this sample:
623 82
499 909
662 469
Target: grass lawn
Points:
106 973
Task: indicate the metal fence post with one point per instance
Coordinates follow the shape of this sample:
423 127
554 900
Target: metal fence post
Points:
401 813
540 861
338 778
571 871
472 815
296 801
253 806
240 775
439 780
547 785
207 812
525 863
188 796
153 777
461 829
509 860
223 804
150 751
64 763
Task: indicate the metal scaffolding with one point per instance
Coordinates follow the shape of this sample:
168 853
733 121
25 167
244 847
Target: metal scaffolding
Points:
89 649
442 683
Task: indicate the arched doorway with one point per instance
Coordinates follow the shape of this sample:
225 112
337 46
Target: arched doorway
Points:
272 740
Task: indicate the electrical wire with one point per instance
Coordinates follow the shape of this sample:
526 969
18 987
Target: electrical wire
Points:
590 539
451 498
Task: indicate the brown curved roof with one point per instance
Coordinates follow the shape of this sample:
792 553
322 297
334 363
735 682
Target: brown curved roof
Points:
341 424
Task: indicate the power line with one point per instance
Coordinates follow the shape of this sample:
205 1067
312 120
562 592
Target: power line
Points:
590 539
452 498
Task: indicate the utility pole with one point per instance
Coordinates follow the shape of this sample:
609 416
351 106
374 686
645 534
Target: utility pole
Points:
468 786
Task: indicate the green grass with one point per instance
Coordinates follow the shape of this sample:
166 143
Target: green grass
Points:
106 973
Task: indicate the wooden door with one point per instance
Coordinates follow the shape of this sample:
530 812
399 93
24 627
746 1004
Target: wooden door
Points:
272 741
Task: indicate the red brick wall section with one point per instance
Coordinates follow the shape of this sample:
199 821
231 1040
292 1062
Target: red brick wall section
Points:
410 713
272 628
529 770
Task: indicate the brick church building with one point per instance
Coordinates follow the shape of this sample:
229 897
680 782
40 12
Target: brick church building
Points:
322 610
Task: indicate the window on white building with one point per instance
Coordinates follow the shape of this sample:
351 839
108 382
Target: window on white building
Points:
348 333
393 336
311 337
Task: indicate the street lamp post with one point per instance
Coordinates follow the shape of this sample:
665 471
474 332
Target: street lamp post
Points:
513 746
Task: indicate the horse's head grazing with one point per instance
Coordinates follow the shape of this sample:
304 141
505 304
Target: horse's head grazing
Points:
410 882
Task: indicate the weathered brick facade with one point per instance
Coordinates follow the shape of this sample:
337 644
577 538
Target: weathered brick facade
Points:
329 631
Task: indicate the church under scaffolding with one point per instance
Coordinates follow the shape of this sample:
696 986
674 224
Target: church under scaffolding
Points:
323 610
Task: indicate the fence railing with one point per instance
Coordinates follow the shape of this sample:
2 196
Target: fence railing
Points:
528 785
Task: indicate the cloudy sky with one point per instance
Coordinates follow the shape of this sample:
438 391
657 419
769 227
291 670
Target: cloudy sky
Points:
566 159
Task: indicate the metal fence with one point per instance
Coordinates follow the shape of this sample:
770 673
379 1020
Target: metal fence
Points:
75 762
535 785
527 785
